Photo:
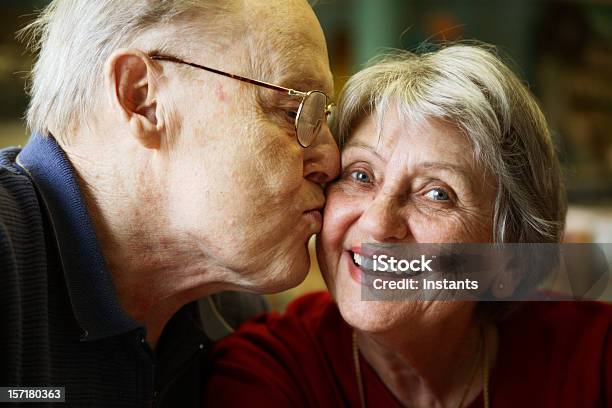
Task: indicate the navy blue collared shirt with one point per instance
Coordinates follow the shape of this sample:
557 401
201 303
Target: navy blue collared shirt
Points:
61 323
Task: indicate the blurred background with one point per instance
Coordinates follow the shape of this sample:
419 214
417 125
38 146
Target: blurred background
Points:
563 49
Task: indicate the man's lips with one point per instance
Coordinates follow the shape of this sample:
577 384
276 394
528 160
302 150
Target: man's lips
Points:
316 219
315 214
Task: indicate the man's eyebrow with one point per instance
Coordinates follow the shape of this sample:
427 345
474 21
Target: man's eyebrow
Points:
305 84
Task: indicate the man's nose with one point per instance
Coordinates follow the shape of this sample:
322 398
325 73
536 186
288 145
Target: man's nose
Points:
384 220
322 158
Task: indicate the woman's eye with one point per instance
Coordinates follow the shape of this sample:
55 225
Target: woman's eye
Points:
437 194
361 176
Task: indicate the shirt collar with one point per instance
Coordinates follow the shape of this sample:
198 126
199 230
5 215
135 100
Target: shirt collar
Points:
92 294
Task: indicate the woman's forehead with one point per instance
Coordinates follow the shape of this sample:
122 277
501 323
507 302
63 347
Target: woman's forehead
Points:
429 145
391 130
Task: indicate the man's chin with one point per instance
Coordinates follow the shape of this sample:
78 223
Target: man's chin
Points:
292 279
281 276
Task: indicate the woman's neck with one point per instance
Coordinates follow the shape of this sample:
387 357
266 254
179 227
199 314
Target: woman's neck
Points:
429 364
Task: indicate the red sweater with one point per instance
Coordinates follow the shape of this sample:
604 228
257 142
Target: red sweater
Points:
551 354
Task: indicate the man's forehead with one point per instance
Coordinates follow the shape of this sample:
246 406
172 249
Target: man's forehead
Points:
300 63
283 11
289 45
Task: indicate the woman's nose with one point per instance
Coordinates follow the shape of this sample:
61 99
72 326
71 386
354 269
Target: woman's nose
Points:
322 159
383 220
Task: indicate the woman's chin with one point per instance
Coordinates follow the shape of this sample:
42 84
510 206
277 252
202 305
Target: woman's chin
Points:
370 316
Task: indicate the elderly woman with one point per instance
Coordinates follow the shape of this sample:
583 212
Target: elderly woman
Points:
442 147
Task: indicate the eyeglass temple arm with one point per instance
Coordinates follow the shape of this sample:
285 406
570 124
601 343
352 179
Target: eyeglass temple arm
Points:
289 91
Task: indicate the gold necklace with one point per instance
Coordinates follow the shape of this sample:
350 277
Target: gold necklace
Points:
485 372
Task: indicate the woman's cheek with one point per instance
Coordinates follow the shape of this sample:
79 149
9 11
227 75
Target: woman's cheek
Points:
341 211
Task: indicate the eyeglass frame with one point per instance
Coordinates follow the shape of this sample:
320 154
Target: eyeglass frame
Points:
291 92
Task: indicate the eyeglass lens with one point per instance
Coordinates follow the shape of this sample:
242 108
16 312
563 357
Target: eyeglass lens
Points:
311 117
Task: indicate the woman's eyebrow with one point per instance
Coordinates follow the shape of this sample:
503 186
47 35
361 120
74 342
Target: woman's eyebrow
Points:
426 165
363 146
448 167
443 166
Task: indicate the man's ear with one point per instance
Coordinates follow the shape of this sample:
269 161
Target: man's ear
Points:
130 80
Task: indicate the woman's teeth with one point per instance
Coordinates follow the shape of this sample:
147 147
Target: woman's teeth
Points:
363 262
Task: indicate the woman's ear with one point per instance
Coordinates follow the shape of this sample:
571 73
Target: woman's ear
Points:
507 280
130 81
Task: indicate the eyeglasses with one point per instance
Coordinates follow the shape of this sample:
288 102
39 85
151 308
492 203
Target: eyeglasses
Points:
314 109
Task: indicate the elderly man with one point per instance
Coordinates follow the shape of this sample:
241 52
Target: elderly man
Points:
162 170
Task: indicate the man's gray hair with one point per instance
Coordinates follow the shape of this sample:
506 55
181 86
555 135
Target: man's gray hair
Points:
471 88
74 38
